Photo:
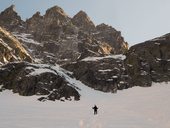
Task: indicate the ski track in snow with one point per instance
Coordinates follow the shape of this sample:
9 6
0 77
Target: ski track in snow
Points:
136 107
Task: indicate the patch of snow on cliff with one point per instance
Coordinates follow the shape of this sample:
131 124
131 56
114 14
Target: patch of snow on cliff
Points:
106 70
120 56
26 38
38 71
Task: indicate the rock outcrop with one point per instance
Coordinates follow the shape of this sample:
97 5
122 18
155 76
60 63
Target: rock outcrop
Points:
42 80
149 61
111 36
11 49
106 74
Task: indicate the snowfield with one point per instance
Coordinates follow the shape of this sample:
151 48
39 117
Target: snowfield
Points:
136 107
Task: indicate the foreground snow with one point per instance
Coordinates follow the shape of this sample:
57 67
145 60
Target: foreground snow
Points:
133 108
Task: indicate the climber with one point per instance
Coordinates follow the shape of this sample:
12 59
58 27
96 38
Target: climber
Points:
95 109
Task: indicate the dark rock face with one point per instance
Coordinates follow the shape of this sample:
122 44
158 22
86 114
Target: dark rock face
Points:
100 73
31 79
10 19
149 61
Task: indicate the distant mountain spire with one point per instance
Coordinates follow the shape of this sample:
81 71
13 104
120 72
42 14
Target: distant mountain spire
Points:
9 18
82 20
56 14
56 10
11 8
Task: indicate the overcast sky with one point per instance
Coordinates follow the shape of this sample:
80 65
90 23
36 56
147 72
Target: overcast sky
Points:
138 20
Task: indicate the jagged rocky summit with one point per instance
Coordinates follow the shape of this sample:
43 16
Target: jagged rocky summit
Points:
62 39
10 20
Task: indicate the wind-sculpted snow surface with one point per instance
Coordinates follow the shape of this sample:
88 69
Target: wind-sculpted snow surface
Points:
133 108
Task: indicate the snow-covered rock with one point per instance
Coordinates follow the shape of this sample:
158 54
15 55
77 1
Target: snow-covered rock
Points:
51 82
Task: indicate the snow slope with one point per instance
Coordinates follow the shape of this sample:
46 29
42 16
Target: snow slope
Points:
133 108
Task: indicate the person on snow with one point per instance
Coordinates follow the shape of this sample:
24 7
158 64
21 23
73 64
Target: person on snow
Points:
95 108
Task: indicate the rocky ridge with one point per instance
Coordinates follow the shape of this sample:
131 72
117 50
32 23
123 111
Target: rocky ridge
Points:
69 38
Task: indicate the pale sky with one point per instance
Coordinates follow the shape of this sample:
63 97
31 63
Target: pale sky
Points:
138 20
